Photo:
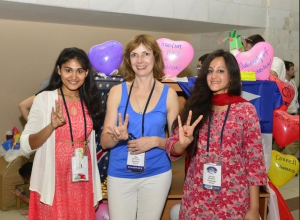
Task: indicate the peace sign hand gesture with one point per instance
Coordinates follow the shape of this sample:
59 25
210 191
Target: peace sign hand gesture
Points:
186 132
120 132
57 117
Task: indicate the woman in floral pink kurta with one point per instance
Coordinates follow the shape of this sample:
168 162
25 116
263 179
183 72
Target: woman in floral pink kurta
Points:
240 154
242 163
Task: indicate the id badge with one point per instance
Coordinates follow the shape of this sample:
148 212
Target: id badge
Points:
135 163
80 171
212 175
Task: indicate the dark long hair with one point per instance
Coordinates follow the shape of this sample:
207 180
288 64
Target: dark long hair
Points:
88 90
25 170
200 101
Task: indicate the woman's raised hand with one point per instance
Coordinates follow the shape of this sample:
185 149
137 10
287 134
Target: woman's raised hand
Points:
120 132
57 117
186 132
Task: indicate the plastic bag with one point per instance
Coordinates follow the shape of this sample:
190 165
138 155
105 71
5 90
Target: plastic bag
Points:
11 155
2 151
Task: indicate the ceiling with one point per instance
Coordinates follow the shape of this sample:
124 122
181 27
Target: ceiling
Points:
40 13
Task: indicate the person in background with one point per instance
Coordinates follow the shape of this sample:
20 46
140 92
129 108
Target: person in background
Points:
293 107
220 130
139 172
65 182
25 173
252 40
290 75
26 104
278 67
201 60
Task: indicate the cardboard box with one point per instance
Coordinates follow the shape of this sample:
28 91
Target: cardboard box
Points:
9 178
25 189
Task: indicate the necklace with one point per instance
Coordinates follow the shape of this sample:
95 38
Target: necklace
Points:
146 106
140 112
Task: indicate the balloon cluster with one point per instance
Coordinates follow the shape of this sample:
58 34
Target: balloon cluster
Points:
285 126
259 60
107 57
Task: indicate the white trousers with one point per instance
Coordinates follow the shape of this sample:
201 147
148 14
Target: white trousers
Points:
138 199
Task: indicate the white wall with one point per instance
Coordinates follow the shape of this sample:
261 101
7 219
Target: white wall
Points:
236 12
282 31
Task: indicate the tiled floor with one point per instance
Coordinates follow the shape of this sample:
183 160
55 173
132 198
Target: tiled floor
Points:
288 191
13 214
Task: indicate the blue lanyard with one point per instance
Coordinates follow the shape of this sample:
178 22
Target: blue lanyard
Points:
146 106
222 131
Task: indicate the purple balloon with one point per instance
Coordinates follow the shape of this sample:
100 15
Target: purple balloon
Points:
102 212
106 57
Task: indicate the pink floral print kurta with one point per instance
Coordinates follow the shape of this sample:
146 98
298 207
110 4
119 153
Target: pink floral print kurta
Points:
242 162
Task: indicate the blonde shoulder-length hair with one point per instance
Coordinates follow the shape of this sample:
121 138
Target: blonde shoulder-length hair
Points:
150 43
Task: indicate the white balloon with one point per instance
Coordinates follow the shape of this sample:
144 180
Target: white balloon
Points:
174 212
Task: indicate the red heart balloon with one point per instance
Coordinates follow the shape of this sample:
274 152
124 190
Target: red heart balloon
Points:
287 92
285 127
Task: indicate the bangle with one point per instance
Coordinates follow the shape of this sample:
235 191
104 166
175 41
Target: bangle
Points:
116 141
174 152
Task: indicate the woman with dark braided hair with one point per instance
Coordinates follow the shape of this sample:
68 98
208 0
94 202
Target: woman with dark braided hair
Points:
65 182
221 133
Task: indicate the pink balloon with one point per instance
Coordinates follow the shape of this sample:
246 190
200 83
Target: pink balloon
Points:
177 55
258 59
102 212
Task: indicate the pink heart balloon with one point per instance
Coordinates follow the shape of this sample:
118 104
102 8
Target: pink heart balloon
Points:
177 55
258 59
